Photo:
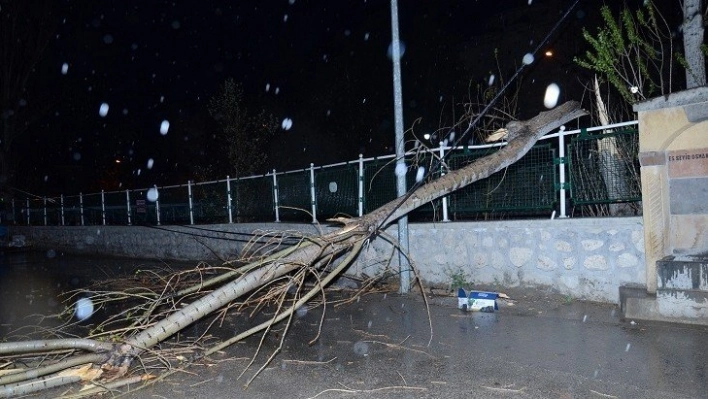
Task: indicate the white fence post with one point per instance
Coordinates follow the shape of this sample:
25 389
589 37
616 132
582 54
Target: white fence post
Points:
28 212
62 209
127 201
103 207
361 185
228 197
313 197
81 207
191 208
442 173
157 207
561 171
275 197
45 211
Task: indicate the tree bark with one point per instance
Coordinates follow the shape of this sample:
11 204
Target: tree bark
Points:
692 42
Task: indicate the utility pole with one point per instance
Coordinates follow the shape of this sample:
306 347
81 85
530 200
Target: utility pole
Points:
403 263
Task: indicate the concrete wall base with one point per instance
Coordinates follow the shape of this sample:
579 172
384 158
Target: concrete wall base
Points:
587 259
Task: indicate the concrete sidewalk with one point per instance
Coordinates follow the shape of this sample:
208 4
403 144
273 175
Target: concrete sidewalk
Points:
538 346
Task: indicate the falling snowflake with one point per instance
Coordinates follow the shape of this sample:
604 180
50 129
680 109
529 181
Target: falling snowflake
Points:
152 194
420 174
401 169
287 124
164 127
84 308
64 68
401 50
550 99
528 59
103 110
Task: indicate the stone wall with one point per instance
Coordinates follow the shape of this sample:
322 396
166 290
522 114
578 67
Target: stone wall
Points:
582 258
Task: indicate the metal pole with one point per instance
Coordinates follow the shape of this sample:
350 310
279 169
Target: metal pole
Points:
45 211
404 267
157 208
275 197
442 173
361 185
228 197
62 209
103 207
561 172
81 207
313 196
127 201
28 212
191 209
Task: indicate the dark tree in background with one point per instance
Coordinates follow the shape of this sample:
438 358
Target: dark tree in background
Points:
26 28
244 134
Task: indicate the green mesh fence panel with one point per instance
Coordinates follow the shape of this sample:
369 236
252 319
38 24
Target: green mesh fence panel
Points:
526 185
72 211
210 202
604 168
253 199
174 204
294 192
35 212
52 207
380 185
116 208
93 214
337 191
142 210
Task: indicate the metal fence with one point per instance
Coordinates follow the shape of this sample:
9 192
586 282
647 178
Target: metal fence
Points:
596 166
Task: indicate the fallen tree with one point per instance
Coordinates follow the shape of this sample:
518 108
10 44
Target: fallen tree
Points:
277 274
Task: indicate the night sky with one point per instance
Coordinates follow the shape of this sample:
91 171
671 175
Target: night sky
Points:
322 64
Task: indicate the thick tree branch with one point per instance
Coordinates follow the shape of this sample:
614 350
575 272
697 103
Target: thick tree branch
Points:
521 135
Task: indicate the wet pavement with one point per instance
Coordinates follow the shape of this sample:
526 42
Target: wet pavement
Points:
539 345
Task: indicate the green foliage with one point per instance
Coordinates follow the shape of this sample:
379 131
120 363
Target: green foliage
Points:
245 135
632 52
458 279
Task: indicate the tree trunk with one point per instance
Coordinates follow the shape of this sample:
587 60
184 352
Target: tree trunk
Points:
312 253
612 167
692 42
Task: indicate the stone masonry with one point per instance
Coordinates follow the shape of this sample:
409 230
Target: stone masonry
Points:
582 258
